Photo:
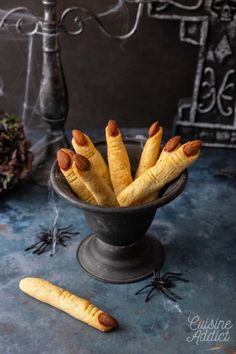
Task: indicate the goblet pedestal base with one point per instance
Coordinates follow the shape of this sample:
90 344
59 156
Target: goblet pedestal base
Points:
120 264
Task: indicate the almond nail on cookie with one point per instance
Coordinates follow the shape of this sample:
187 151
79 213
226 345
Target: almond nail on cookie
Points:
171 145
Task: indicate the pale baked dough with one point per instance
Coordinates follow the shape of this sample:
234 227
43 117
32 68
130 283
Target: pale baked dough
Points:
101 192
118 161
63 300
75 182
150 153
163 155
156 177
94 156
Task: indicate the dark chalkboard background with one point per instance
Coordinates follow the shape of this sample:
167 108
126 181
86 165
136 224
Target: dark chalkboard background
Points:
136 82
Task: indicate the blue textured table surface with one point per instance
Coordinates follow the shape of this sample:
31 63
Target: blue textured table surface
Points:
198 232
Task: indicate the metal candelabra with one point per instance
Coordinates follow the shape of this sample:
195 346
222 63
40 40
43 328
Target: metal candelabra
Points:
53 96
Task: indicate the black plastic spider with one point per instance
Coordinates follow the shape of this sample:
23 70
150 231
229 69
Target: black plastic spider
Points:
50 237
163 283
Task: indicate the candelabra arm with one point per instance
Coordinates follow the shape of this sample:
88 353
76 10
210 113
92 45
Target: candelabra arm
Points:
90 14
20 22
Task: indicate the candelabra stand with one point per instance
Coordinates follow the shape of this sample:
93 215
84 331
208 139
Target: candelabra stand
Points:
53 95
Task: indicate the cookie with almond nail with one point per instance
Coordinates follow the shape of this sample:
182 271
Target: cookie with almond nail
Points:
118 159
151 149
171 145
101 192
65 162
83 145
64 300
159 175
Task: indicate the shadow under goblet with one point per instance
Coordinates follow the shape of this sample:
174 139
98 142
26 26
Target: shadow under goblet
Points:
119 250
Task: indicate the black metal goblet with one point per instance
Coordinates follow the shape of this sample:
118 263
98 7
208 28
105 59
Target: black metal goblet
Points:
119 250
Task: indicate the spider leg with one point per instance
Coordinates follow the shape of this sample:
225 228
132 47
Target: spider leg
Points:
63 238
70 233
170 273
66 233
33 246
141 290
175 296
149 294
163 290
38 247
63 234
177 277
41 249
66 228
62 243
59 234
36 251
